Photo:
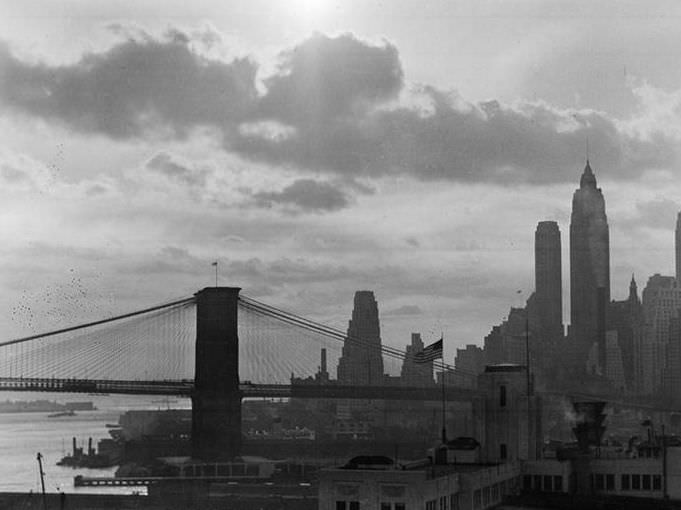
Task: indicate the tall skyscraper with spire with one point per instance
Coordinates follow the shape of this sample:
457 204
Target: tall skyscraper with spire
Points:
362 361
589 269
548 281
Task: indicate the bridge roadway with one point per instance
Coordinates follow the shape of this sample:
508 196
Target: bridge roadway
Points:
185 388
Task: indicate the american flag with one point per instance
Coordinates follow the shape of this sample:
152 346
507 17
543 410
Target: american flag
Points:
430 353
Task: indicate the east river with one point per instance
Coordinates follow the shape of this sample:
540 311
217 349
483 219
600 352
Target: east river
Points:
23 435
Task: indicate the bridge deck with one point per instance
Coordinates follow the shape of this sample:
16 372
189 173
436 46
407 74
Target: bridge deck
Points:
186 387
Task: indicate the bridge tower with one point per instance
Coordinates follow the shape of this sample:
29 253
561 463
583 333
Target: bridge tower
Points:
216 402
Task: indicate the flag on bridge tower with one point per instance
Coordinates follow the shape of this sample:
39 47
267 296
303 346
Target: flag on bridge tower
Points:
430 353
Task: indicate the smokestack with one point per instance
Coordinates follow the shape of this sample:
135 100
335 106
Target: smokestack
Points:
323 370
89 446
74 446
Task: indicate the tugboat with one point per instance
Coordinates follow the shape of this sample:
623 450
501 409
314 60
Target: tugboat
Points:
87 459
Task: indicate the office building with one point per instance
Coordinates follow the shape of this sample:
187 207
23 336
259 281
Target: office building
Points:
361 361
589 271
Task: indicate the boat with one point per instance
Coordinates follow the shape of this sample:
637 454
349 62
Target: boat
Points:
61 414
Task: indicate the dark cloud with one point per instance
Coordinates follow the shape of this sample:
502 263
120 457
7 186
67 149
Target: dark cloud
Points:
164 164
335 105
405 310
306 195
135 87
531 143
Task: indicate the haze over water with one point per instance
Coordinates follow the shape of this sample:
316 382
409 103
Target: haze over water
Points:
23 435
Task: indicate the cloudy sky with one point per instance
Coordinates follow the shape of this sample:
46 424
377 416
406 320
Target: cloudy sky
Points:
317 147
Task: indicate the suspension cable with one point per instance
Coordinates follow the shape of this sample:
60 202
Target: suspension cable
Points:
296 320
97 323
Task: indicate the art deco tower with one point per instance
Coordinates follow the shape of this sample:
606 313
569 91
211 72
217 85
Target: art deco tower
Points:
589 269
548 281
361 361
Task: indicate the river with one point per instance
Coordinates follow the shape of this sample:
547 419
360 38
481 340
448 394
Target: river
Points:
23 435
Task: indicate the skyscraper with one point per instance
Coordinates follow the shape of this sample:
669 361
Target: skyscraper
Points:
678 250
589 269
361 361
661 303
625 318
416 374
547 281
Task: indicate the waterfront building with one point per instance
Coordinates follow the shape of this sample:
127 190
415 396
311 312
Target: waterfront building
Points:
361 361
511 415
548 283
379 483
661 303
589 270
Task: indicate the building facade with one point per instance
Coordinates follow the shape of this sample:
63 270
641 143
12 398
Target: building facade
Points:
661 303
416 374
626 321
361 361
589 270
548 282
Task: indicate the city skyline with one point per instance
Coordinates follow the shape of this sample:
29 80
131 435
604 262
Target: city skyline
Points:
141 144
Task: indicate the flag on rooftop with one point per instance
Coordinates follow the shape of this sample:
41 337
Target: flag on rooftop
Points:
430 353
214 263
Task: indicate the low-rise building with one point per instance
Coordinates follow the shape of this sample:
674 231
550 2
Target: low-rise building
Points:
377 483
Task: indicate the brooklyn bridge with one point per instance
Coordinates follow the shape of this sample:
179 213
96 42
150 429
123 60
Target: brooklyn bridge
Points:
216 347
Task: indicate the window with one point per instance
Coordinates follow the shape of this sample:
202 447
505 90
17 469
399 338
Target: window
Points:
558 483
527 482
502 396
385 506
443 502
453 502
646 482
600 482
485 497
495 492
477 498
657 482
636 482
340 505
430 505
502 451
626 483
354 505
537 482
548 483
610 482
